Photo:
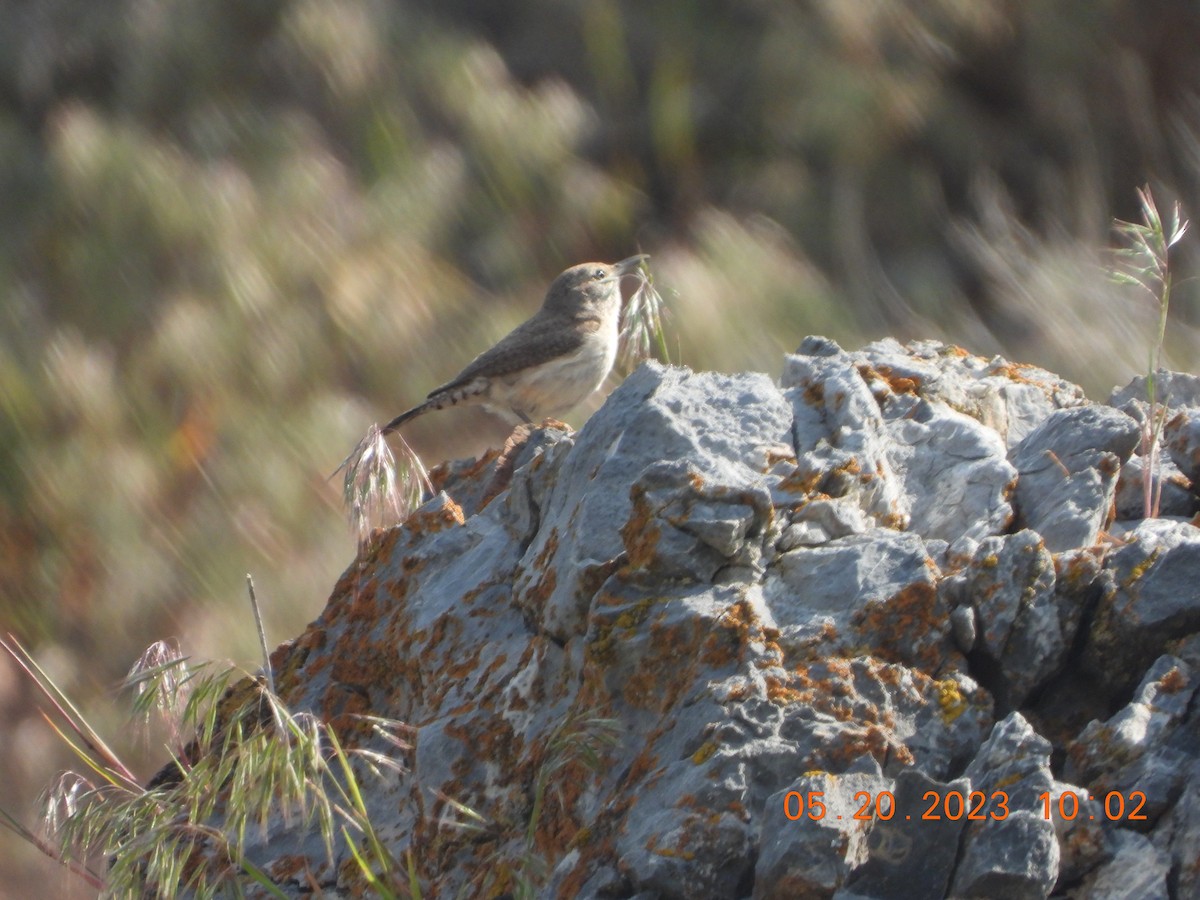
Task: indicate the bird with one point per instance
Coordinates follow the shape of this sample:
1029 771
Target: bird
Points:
549 363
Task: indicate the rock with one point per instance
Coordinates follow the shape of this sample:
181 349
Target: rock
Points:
1181 437
719 430
625 649
908 461
1016 855
1171 488
1156 597
1184 833
838 431
1084 833
821 521
910 856
874 591
1176 390
1068 469
1010 584
1010 399
1012 859
1137 871
1140 754
955 477
811 837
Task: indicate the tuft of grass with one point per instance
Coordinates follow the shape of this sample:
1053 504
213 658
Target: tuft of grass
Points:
249 760
377 492
642 335
1144 261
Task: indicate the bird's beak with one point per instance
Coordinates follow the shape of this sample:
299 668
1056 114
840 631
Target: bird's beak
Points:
627 266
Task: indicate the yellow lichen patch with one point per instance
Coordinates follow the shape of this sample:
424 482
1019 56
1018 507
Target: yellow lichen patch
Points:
1008 781
636 614
601 646
581 837
1141 568
704 752
950 700
1079 569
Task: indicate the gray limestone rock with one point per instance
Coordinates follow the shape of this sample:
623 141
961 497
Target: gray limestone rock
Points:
1010 585
955 475
908 460
874 590
813 833
626 648
820 521
721 429
1068 472
1168 485
1008 398
1016 854
1137 871
1156 597
911 854
1184 833
1012 859
1084 832
1177 390
1181 437
1141 753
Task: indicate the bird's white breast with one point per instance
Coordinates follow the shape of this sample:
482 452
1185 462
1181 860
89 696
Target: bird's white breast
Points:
554 387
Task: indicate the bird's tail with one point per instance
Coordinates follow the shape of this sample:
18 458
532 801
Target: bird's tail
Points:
405 416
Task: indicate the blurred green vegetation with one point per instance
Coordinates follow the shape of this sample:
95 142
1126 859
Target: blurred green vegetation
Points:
234 232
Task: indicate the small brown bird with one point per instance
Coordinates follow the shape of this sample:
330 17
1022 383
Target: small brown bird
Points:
551 362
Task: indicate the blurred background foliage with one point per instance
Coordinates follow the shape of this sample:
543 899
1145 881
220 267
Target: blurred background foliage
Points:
234 232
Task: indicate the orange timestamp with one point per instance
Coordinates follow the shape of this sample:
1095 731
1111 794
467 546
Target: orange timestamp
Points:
954 805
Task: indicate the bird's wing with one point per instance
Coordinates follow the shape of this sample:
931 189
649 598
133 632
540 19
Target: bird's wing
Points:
529 344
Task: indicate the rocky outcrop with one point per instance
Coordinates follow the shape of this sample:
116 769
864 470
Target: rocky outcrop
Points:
871 631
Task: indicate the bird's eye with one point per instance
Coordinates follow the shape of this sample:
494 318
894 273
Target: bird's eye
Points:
597 274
